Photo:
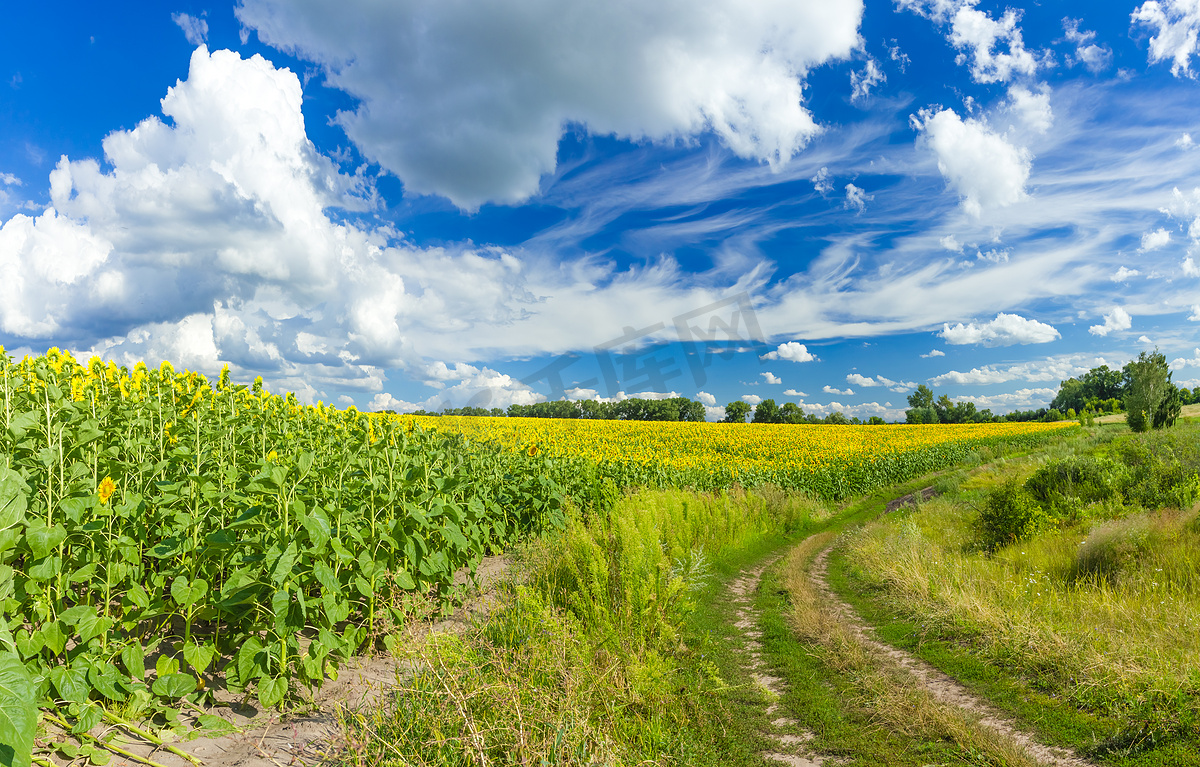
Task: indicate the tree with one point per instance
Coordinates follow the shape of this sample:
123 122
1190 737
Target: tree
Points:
1148 387
1103 383
767 412
921 409
736 412
837 418
1072 394
792 413
922 397
691 410
876 421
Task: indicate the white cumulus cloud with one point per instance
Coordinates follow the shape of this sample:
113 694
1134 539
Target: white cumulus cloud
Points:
1195 315
751 399
1123 274
1005 330
844 392
791 351
771 378
934 353
1096 58
1174 24
982 166
1183 362
1155 240
1116 320
1020 399
470 101
1031 107
861 380
705 398
794 393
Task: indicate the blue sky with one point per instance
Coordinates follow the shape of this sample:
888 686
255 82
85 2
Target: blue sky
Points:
422 203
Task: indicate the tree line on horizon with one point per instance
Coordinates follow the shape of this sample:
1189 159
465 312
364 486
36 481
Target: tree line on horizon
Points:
1142 389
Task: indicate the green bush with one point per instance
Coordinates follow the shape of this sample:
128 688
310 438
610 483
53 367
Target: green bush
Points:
1067 484
1010 514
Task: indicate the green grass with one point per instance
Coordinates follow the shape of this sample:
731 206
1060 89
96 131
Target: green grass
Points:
615 644
1086 633
610 647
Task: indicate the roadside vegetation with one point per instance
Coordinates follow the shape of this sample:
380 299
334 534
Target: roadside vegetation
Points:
591 657
1075 573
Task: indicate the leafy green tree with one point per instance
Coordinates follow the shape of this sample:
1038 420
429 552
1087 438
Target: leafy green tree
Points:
1148 387
736 412
922 397
876 421
1072 394
837 418
921 409
792 413
767 412
1171 406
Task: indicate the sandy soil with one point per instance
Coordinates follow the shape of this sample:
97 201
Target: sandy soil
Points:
271 739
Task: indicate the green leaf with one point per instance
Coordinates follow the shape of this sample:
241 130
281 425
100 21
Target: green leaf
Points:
29 645
326 577
10 538
272 691
317 527
187 593
23 422
250 660
174 686
134 659
105 677
285 563
138 596
71 683
198 656
88 718
74 508
404 580
89 431
92 625
166 665
305 462
14 498
71 617
42 540
54 637
215 725
18 712
44 569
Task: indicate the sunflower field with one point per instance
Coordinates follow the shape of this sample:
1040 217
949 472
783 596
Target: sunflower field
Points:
162 534
158 530
831 462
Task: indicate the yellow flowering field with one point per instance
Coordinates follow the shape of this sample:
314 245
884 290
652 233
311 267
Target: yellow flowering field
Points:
834 461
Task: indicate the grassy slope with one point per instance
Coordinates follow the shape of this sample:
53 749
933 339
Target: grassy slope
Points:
1117 687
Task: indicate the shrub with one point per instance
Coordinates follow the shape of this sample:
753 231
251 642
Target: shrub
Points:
1067 484
1010 514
